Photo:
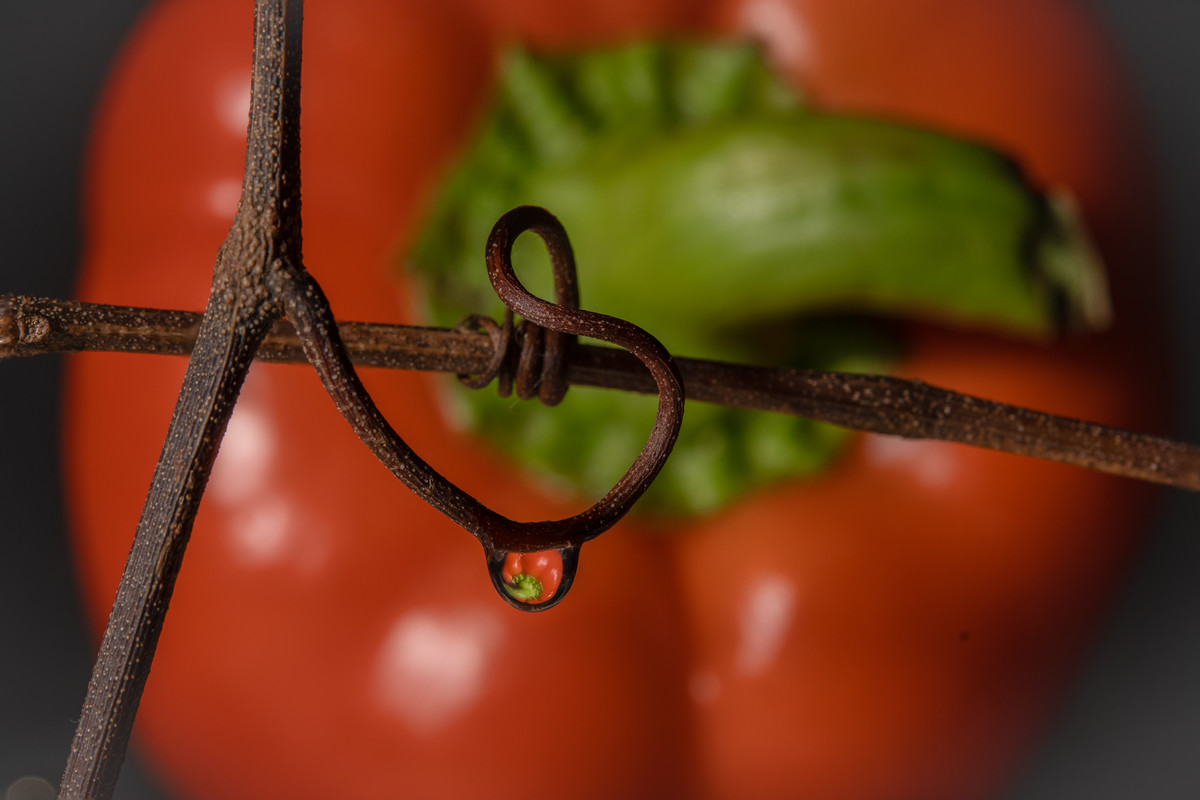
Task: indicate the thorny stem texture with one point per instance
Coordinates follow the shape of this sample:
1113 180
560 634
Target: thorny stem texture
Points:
874 403
241 309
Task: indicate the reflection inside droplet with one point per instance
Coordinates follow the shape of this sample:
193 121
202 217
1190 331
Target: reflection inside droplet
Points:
533 581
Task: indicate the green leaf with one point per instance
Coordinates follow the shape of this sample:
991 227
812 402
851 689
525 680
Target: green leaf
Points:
707 204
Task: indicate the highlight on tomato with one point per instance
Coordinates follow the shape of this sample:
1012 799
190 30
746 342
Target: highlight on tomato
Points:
796 610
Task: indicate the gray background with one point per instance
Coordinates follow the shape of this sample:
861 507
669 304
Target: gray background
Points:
1130 727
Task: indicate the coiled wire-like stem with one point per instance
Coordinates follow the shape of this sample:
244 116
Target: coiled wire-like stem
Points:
556 325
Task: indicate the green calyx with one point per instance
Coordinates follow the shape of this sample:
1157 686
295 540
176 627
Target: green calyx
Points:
707 204
524 587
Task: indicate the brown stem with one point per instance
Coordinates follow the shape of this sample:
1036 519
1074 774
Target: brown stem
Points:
241 309
309 311
874 403
32 326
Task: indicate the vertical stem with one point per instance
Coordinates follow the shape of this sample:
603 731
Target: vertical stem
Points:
123 663
263 239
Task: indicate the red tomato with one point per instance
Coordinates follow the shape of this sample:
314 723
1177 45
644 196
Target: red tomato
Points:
533 577
897 628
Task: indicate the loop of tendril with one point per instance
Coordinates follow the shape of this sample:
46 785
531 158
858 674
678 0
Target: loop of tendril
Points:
562 321
529 356
532 355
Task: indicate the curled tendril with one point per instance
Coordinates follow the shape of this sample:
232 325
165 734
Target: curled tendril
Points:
548 331
530 356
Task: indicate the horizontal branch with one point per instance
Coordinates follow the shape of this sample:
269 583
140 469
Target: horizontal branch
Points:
873 403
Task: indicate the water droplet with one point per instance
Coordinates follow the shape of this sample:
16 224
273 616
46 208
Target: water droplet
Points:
533 581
